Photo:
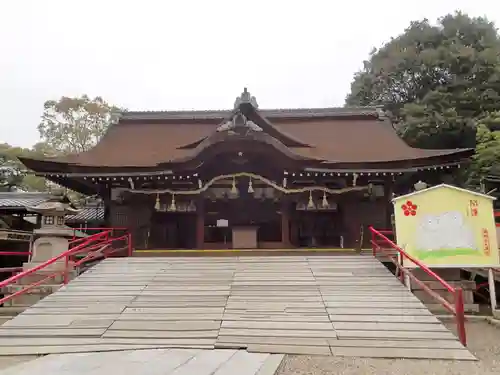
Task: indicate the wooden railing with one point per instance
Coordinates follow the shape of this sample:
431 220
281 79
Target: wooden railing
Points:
456 308
93 247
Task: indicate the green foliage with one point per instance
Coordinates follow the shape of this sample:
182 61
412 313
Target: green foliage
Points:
435 81
486 160
12 173
73 125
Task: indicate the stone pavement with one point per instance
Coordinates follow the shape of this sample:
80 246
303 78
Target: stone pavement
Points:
326 305
152 362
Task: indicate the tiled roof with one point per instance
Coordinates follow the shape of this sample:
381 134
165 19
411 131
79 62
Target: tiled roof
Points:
281 113
90 213
17 200
21 200
337 136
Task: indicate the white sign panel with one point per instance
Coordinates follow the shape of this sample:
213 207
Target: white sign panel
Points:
222 223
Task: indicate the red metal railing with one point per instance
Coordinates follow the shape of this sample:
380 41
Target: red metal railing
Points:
457 308
93 247
114 231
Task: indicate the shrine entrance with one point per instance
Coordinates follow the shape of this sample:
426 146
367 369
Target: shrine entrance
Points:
247 211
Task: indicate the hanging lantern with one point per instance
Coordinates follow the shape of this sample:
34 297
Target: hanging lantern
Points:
157 203
131 183
234 189
191 207
250 186
284 182
172 206
200 184
324 203
354 179
310 203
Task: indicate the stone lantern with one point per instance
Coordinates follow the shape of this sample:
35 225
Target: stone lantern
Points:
52 239
53 236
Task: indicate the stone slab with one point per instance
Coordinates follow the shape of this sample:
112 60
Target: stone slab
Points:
169 317
271 365
206 334
404 335
277 325
174 310
284 317
417 353
290 349
429 344
165 326
406 326
384 318
53 332
377 311
277 333
242 363
244 341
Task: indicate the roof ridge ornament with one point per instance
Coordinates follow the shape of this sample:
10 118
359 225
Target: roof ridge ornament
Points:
239 122
245 98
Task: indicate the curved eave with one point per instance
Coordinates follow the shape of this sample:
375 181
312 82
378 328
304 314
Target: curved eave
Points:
442 157
45 167
228 137
50 167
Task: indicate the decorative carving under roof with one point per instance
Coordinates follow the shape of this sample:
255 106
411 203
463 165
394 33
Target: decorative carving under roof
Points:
245 98
239 123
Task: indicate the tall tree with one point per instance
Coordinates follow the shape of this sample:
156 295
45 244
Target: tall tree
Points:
436 81
73 125
486 161
12 173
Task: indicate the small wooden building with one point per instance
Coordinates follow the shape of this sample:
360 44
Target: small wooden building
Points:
249 177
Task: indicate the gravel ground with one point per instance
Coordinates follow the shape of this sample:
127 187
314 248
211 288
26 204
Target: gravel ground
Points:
483 341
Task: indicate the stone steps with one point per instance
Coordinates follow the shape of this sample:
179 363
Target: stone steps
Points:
320 304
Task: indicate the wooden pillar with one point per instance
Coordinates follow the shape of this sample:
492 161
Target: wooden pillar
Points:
285 223
200 224
388 190
106 198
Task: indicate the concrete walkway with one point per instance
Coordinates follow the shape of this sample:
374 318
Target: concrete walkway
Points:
152 362
340 305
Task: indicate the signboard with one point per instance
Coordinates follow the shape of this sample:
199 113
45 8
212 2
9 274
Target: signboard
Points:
222 223
446 226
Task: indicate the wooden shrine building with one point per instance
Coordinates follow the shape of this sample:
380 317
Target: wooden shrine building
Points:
249 177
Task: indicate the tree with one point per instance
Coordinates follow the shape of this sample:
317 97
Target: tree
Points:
10 176
486 160
73 125
436 81
13 175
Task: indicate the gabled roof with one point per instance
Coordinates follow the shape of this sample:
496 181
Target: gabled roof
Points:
332 137
472 192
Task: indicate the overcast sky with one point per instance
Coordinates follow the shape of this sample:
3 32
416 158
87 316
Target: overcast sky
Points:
193 54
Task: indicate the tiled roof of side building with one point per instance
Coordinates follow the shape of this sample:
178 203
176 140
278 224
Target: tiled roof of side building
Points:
20 200
87 214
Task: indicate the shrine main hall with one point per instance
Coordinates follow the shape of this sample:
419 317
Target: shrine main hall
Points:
250 178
